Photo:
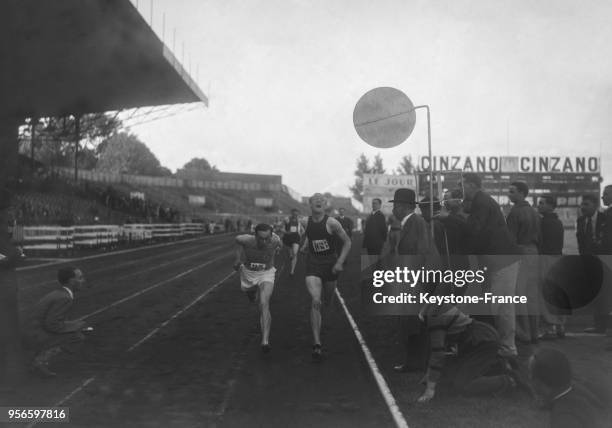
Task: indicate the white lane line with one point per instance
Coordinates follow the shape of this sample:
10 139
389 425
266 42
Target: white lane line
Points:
235 370
177 314
67 397
120 265
113 267
396 413
165 281
123 278
114 253
141 341
585 334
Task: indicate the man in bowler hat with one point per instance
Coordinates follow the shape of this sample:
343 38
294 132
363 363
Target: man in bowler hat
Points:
412 249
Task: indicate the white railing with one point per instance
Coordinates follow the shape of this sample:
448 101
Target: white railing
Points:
56 238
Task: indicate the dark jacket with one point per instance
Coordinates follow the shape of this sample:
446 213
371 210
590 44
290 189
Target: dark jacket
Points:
606 236
599 244
524 224
456 234
414 249
375 233
489 234
414 237
551 229
347 225
48 319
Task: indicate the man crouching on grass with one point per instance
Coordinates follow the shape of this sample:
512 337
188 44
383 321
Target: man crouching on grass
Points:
255 263
476 368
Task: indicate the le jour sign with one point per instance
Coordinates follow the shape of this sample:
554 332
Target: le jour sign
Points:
383 186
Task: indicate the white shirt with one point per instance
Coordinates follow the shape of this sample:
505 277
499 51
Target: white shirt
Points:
70 293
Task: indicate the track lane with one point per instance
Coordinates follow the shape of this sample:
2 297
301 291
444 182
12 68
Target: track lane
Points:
205 369
109 280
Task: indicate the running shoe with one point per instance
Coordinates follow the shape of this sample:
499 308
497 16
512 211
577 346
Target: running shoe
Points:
317 352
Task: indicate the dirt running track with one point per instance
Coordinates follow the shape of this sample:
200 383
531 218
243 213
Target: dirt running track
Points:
176 344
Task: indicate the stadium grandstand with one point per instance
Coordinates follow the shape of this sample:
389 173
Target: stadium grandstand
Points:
49 205
217 195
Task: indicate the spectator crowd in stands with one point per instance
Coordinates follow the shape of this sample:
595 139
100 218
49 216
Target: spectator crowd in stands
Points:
52 200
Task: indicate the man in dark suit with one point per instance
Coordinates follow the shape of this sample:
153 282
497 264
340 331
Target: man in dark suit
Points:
448 230
375 232
440 239
592 234
551 248
46 331
455 226
606 238
413 249
490 239
607 249
524 224
345 222
590 226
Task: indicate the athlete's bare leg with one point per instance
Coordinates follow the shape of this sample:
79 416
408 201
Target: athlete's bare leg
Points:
328 293
265 318
314 286
293 254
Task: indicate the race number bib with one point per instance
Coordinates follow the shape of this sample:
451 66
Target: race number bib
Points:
320 245
293 229
257 266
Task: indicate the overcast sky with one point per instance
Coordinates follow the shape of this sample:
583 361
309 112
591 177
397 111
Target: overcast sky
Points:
283 76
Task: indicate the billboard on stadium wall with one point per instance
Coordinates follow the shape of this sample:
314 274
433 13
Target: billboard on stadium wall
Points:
383 186
264 202
198 200
514 164
565 177
137 195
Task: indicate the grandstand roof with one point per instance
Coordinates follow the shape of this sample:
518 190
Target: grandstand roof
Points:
83 56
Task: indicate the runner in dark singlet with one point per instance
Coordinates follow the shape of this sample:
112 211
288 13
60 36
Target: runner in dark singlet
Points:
292 237
323 263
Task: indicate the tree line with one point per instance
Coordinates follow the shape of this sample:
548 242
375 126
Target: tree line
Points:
104 145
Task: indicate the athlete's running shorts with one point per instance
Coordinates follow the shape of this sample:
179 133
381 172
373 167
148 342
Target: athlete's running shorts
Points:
291 238
321 266
252 278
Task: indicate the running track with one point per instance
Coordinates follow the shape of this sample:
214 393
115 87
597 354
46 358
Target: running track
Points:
176 344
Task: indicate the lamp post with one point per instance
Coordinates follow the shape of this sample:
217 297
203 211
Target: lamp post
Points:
385 117
431 201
